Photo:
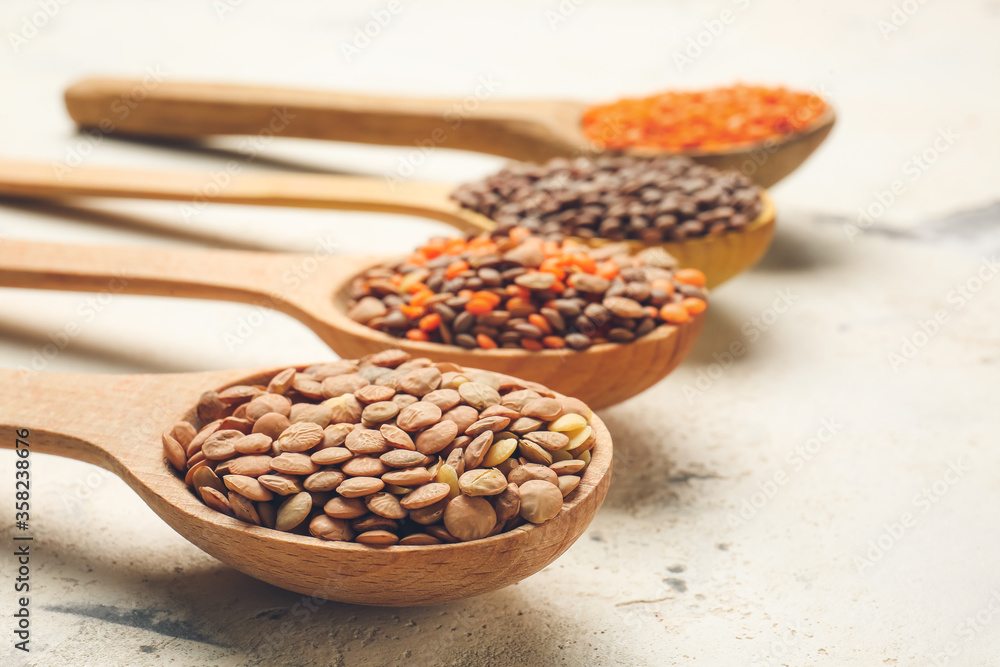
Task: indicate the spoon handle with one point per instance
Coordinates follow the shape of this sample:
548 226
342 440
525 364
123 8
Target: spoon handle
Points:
353 193
112 421
92 418
155 107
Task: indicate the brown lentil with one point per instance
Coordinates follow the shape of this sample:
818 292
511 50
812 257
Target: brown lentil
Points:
435 438
540 501
248 487
469 518
440 465
243 508
293 511
251 466
654 199
283 485
364 466
272 425
328 528
331 456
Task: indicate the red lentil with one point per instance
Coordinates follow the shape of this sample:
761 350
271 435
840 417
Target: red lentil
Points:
707 120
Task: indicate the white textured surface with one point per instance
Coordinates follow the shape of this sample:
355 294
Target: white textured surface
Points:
680 566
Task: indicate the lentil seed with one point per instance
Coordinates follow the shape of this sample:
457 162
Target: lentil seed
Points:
276 458
534 453
272 425
293 511
345 508
357 487
540 500
366 441
283 485
417 416
248 487
530 471
427 494
469 518
385 505
174 452
364 466
293 463
242 508
432 440
507 503
328 528
255 443
219 445
377 538
380 412
407 477
478 395
431 514
482 482
403 458
324 480
567 484
500 452
216 500
331 456
205 476
568 467
300 437
250 466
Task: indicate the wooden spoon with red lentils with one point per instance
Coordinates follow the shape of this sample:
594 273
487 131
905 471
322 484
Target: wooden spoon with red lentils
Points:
764 132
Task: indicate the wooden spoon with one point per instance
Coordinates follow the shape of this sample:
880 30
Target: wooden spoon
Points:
718 257
115 421
534 131
314 289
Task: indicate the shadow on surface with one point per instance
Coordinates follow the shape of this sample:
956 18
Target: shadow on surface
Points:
722 329
652 467
795 249
122 360
88 215
217 608
206 148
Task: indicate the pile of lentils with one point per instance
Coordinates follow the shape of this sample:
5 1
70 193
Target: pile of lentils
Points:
386 450
652 200
518 291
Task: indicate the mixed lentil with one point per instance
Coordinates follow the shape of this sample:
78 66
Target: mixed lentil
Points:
516 290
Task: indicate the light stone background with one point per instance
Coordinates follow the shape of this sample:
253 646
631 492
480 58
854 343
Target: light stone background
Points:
754 518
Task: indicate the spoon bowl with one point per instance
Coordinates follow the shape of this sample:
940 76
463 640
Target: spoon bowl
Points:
718 257
313 289
115 422
529 130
